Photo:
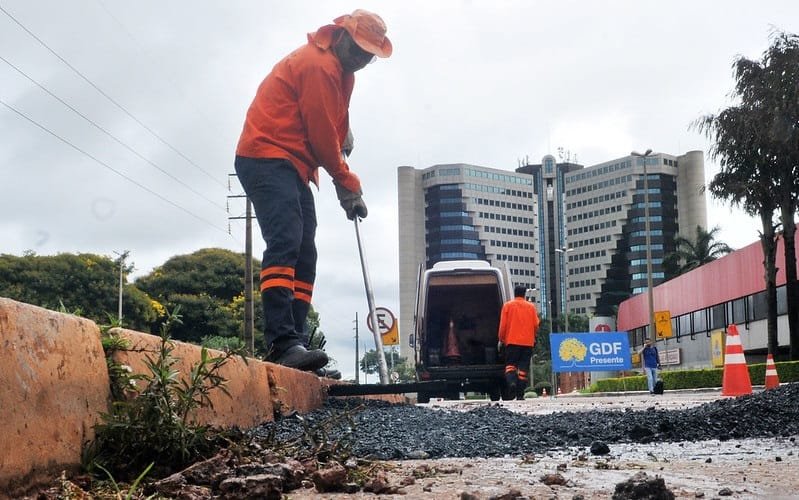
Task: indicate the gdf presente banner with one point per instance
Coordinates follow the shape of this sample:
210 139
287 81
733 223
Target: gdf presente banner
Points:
590 352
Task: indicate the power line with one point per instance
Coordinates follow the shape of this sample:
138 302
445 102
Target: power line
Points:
110 99
109 167
165 71
109 134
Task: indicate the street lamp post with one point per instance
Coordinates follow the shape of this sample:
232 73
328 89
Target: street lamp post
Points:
122 257
565 252
649 286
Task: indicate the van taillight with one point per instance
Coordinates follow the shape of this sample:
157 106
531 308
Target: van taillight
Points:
424 375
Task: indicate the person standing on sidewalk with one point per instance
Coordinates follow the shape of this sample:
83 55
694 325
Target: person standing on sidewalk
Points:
518 325
297 122
650 361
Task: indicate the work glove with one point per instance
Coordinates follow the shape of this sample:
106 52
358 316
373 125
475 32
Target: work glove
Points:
351 202
500 346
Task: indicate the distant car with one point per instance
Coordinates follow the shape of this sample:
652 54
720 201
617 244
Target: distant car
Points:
458 305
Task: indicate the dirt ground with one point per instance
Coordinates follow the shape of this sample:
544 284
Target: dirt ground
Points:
752 468
733 469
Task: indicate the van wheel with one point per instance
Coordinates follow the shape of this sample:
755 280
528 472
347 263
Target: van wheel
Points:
422 397
494 393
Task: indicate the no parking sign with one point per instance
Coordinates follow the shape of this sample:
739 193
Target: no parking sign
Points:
386 324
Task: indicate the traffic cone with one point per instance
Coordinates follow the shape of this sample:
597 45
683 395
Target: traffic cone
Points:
452 353
735 381
560 391
772 379
544 392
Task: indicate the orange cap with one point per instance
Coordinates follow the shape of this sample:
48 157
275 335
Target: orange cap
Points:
368 30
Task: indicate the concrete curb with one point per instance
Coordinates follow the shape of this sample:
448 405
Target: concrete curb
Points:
56 385
250 401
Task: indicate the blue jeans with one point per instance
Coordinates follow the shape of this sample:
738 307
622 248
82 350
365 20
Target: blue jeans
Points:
651 377
284 207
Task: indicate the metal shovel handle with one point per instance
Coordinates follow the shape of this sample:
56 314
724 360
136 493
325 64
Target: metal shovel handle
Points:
381 356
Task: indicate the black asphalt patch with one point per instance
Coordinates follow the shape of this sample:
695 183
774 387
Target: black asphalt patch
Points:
378 430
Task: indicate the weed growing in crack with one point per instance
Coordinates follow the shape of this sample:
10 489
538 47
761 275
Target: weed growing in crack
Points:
133 487
123 380
151 420
310 438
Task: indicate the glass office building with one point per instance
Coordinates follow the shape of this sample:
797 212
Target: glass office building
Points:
574 234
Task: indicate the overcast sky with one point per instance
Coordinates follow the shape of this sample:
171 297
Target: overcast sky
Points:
119 119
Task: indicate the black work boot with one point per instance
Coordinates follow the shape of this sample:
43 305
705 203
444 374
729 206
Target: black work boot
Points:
329 373
301 358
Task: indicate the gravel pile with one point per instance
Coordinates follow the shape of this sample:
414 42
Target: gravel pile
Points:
377 430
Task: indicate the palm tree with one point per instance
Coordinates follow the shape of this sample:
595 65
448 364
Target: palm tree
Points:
692 254
745 180
772 84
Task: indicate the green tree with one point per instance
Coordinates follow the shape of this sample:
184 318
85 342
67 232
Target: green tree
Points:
236 310
690 254
757 142
745 180
316 337
541 361
206 316
208 286
139 310
369 362
770 89
541 348
85 282
406 370
213 271
577 323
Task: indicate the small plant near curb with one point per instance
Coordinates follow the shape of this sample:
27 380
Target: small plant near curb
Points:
133 487
150 423
123 380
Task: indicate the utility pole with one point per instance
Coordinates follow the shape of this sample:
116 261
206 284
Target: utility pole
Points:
357 361
122 257
565 254
249 314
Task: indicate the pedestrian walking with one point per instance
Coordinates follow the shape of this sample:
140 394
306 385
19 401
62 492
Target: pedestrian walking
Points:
297 122
518 325
650 362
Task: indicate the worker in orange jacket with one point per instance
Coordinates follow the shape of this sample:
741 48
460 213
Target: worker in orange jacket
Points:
518 325
297 122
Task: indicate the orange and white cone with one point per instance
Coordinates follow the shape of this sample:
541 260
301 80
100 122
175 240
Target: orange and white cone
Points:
452 353
735 381
772 379
544 392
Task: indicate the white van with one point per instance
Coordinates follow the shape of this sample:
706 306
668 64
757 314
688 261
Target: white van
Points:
458 305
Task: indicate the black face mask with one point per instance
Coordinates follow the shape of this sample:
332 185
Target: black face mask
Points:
351 56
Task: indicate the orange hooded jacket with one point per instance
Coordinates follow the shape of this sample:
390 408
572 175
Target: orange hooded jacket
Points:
518 323
301 112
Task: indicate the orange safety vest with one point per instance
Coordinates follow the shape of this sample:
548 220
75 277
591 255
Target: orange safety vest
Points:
518 323
301 112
